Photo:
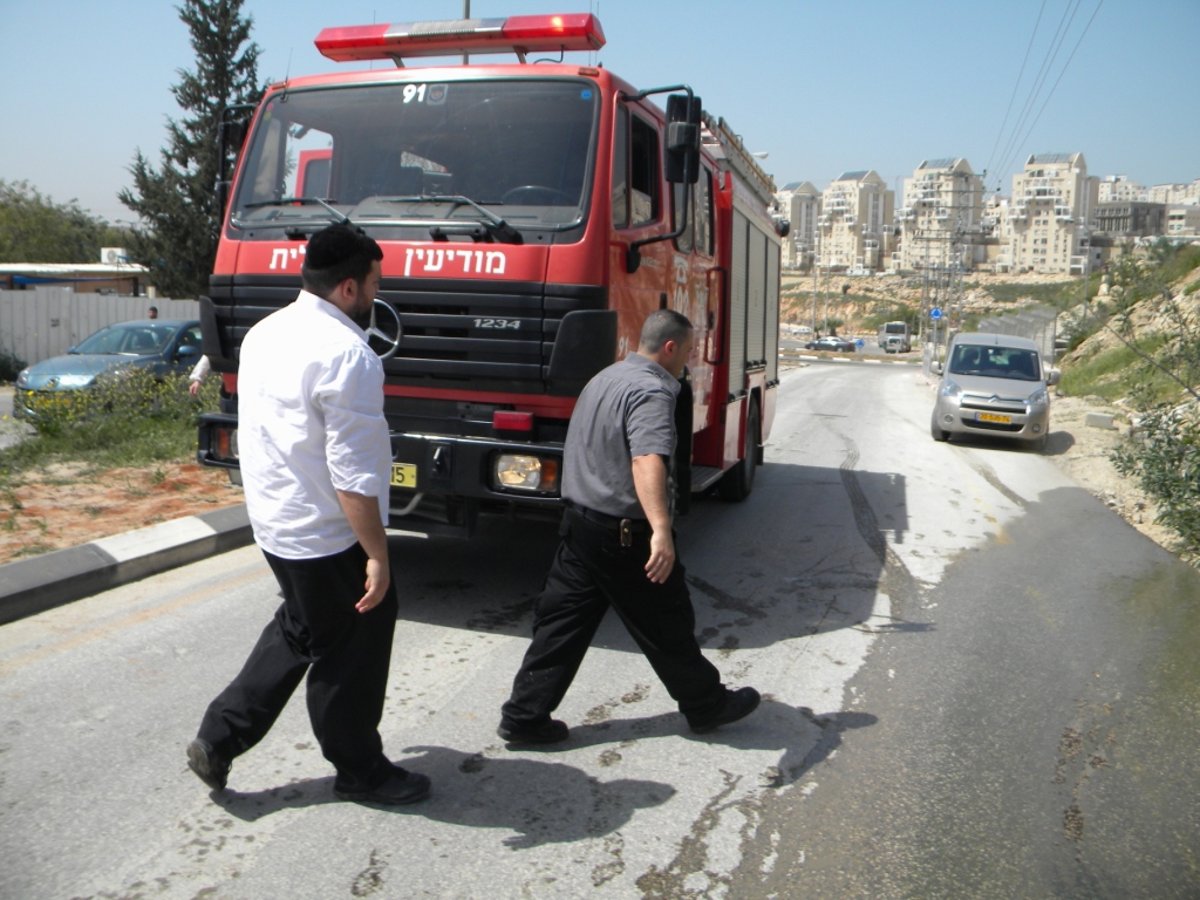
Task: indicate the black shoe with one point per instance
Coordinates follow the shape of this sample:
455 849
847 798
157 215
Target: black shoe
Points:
738 704
208 766
400 787
551 731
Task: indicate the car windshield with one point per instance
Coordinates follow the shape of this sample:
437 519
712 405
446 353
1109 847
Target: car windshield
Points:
135 340
994 362
415 153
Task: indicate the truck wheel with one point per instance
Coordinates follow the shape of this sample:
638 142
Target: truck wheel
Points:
739 481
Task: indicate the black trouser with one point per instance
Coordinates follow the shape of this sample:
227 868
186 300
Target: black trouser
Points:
592 571
345 653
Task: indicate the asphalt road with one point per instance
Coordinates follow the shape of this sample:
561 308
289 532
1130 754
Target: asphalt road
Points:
980 683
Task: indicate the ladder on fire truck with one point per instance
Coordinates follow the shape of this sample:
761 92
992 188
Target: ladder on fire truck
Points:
724 144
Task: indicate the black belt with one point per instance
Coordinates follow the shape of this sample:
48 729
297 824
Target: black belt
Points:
636 525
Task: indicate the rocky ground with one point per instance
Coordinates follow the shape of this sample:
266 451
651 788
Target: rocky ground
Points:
67 505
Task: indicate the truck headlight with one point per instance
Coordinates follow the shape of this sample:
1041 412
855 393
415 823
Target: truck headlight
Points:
525 472
225 443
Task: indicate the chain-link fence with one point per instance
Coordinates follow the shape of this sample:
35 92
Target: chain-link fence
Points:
1038 323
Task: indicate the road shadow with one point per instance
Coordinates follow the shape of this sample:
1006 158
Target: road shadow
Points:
543 802
801 737
1058 443
537 800
809 552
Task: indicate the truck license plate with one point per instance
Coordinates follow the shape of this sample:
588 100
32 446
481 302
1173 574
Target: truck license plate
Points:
404 475
981 417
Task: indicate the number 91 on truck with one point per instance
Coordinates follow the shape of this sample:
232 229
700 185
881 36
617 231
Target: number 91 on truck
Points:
532 213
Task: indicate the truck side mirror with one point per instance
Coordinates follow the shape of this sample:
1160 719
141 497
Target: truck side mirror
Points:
682 143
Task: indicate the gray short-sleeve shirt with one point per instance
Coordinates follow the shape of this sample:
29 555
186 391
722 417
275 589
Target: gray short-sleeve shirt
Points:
626 410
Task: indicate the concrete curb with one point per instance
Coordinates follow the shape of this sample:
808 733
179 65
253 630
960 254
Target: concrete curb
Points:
34 585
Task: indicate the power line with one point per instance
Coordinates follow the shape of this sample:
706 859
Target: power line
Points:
1012 147
1066 65
1016 86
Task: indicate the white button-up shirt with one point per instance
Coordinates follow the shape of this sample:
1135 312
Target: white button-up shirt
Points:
310 423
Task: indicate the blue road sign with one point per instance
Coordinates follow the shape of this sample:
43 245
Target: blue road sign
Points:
935 314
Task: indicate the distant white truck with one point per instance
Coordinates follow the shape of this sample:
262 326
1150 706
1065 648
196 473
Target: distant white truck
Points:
895 337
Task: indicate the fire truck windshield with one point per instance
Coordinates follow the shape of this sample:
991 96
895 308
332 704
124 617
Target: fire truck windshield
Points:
505 155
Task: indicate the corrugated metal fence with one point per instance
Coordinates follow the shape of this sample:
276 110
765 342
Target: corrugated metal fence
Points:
46 321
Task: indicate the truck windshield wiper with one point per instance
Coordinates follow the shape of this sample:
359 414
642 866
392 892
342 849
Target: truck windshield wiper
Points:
499 228
338 216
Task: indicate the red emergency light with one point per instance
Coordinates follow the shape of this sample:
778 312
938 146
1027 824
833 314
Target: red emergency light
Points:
515 34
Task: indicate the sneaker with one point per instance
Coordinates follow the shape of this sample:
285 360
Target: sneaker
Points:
400 787
551 731
738 704
210 768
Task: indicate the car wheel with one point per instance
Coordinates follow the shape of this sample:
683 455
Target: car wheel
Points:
938 433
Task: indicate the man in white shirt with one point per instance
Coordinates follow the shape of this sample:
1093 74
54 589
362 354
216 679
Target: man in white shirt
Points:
316 459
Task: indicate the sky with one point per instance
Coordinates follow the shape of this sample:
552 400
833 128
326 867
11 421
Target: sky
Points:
820 87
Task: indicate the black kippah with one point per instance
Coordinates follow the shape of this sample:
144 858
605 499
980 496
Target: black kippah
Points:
331 246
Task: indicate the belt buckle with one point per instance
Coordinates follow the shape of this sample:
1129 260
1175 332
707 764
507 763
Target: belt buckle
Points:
626 531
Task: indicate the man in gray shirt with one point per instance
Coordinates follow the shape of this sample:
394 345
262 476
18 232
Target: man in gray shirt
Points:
618 547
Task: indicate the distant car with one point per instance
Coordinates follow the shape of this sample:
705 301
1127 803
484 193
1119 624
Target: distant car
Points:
994 385
162 345
832 342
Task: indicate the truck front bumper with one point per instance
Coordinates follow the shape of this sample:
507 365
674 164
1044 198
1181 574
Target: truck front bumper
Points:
438 479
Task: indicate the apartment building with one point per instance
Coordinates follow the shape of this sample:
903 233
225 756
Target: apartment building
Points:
801 203
1129 218
1049 223
1176 194
941 218
1119 189
1183 221
855 223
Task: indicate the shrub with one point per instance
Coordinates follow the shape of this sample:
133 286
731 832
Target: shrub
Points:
133 419
116 397
1164 456
10 365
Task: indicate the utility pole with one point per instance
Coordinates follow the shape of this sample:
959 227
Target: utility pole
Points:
815 262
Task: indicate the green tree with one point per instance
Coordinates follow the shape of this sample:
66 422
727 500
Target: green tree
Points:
35 229
176 205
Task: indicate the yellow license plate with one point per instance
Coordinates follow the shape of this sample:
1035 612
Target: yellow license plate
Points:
985 417
404 475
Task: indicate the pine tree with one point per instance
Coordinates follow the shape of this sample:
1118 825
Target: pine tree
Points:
176 205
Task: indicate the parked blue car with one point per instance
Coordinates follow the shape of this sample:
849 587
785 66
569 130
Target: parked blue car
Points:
162 345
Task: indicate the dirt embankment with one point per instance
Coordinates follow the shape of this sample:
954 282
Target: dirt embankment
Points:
65 506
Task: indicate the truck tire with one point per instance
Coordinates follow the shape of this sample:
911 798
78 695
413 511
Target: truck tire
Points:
737 483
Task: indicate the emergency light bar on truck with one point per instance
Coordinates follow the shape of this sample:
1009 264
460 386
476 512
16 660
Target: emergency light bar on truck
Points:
515 34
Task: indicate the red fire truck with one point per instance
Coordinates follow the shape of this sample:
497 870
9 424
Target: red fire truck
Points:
531 215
